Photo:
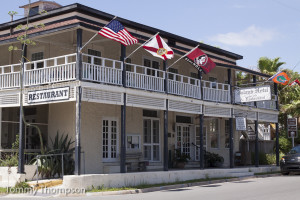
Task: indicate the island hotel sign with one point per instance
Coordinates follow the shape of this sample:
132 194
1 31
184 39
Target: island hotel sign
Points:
250 94
53 94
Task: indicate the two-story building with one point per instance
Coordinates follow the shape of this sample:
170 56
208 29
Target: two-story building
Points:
113 109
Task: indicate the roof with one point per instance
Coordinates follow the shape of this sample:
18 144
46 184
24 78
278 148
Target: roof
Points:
39 2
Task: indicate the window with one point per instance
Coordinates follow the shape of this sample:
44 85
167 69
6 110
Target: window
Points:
133 142
110 139
151 139
183 139
214 133
97 61
183 119
227 133
152 64
195 76
149 113
214 81
33 11
171 76
128 67
35 57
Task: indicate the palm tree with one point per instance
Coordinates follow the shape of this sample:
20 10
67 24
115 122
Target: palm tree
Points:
269 66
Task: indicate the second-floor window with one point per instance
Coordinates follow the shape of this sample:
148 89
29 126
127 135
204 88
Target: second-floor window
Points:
151 64
172 72
97 61
214 81
195 76
35 57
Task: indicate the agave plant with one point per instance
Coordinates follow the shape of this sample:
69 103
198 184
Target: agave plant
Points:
50 165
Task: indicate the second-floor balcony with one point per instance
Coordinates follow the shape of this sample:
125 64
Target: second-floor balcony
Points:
108 71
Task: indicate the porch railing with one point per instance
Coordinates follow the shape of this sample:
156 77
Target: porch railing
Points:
267 104
145 78
184 86
218 92
101 70
51 70
10 76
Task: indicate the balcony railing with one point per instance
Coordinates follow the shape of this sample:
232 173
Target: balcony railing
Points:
217 92
109 71
145 78
184 86
102 70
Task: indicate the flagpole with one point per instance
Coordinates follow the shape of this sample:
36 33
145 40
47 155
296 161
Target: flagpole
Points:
141 45
183 56
94 36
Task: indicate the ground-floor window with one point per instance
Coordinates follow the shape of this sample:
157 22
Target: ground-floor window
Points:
214 133
151 145
110 139
227 125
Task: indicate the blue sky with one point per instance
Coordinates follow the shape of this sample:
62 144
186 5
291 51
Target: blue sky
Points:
251 28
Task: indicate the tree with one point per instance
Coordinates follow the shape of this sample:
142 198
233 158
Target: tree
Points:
269 66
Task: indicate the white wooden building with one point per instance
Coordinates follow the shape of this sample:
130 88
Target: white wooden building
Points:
97 95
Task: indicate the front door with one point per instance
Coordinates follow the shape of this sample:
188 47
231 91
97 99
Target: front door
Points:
183 139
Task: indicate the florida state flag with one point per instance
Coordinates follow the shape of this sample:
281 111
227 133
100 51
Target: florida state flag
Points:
200 60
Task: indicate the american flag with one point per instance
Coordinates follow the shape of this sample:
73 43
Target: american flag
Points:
116 31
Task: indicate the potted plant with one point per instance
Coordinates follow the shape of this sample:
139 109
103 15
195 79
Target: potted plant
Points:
181 159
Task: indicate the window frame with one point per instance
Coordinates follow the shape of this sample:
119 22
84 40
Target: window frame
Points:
149 71
35 57
93 52
109 158
216 132
152 144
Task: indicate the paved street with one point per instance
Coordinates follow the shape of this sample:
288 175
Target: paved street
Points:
275 188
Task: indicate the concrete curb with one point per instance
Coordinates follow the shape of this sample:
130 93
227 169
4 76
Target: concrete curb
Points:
177 186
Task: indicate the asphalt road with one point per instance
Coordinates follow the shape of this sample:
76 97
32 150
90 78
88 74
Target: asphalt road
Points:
273 188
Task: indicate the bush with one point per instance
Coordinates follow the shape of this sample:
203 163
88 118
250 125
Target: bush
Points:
213 159
285 144
11 160
266 159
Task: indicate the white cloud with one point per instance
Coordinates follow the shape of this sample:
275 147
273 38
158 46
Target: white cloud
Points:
251 36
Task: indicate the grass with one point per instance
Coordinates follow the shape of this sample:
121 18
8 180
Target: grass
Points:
266 173
144 186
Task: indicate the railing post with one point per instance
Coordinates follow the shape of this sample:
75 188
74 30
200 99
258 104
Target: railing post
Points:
123 115
166 112
78 105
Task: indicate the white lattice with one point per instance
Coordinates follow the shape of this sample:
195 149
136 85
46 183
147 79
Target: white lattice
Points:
217 111
101 96
266 117
185 107
147 102
9 99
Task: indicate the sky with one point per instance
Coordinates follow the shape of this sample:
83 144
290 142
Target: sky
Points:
251 28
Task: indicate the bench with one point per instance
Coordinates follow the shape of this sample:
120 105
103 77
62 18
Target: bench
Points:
137 159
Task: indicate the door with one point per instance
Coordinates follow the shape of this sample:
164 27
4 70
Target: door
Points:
183 139
109 139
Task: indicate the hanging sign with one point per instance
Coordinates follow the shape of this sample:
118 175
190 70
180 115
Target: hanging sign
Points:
55 94
260 93
240 123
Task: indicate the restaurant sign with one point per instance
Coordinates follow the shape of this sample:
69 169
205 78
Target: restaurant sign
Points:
250 94
53 94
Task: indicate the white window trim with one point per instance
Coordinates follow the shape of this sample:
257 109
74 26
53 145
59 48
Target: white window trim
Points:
159 144
218 132
117 152
184 124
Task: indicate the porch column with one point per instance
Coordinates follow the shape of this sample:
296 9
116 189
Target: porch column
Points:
123 115
256 131
277 126
166 112
0 130
231 141
78 105
201 126
21 128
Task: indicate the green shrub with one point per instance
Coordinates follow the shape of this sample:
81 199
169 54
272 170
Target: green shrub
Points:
11 159
266 159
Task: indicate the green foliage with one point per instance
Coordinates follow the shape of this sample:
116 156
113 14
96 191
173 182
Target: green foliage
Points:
11 13
22 185
11 160
269 66
213 159
181 157
285 144
50 166
266 159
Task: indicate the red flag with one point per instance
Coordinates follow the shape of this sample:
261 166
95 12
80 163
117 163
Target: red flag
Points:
295 82
200 61
280 77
